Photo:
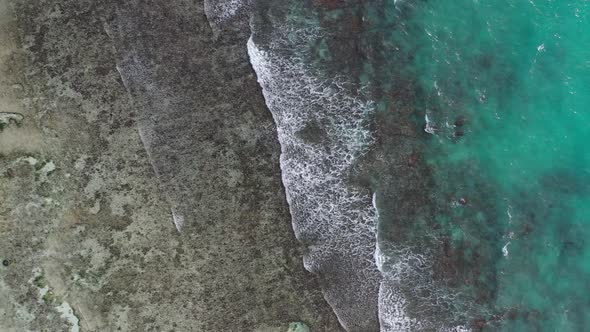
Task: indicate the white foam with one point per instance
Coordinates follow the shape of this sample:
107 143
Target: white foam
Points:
219 11
404 266
397 268
314 174
392 307
505 249
178 219
392 310
338 220
429 128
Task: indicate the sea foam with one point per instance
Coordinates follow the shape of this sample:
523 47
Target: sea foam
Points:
220 11
321 129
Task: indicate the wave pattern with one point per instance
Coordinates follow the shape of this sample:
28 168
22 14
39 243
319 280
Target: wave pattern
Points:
321 128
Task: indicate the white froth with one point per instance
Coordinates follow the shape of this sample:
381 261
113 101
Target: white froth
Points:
178 220
340 220
459 329
505 249
400 265
429 128
397 268
392 312
314 174
219 11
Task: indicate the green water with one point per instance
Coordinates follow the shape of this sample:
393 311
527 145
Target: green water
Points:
505 85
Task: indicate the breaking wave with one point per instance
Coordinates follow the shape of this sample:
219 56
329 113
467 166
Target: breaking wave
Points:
321 127
322 130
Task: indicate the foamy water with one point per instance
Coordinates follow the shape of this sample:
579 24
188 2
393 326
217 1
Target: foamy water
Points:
487 161
322 129
334 219
220 11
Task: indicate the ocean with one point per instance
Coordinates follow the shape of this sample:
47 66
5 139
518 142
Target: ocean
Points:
434 158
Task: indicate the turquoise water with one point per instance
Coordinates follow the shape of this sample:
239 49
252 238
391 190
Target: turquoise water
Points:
479 162
505 88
